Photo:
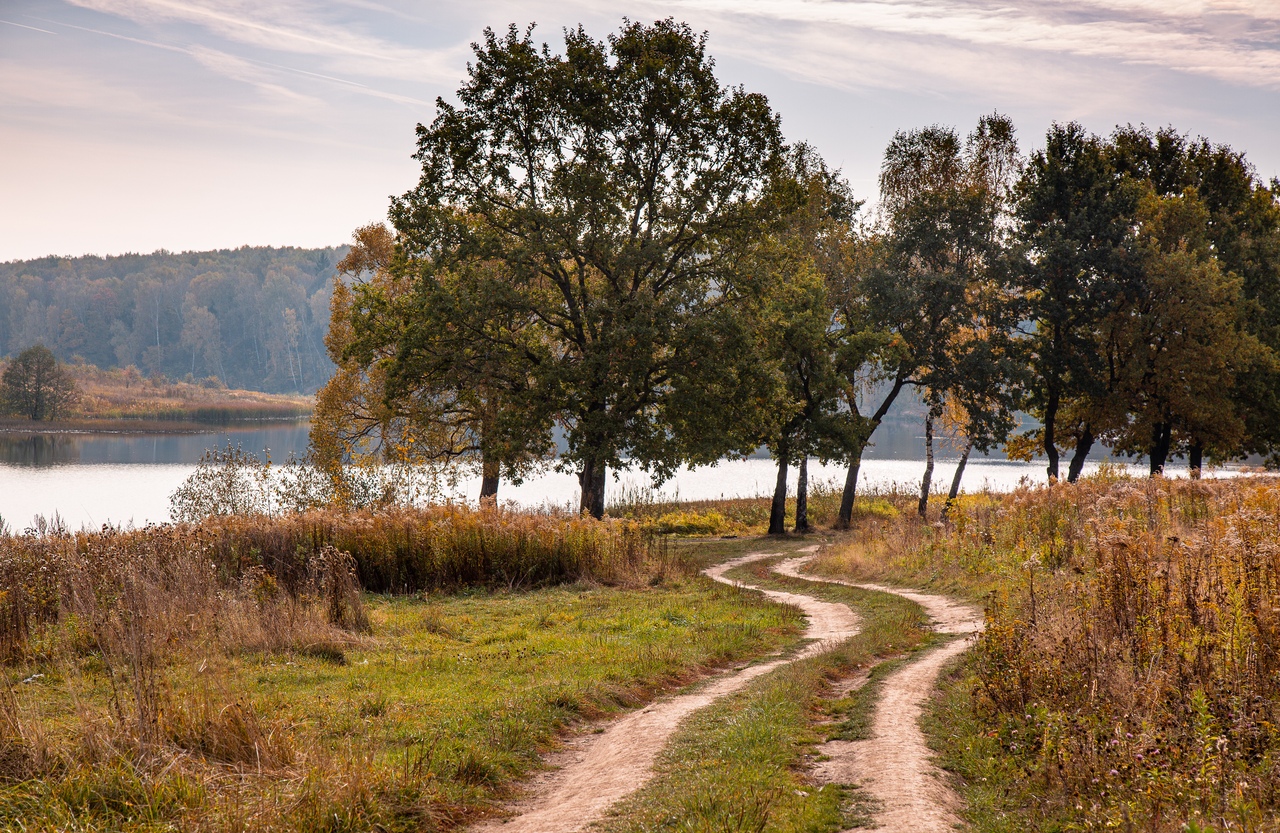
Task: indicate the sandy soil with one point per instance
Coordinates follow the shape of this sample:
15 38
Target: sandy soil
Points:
598 770
894 765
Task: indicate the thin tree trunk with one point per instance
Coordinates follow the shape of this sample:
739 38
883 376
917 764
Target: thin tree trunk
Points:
802 496
845 518
850 493
1161 436
490 475
1050 438
591 479
1083 445
778 510
955 480
928 465
1195 459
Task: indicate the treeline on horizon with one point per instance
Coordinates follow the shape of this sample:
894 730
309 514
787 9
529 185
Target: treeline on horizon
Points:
609 241
254 317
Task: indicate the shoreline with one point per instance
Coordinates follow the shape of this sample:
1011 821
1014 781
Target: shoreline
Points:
141 425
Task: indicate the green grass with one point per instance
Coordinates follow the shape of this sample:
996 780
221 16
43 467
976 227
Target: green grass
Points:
422 725
739 765
998 796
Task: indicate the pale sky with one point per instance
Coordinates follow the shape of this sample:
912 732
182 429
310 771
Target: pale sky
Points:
134 125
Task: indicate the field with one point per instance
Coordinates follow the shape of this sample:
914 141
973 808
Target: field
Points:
225 677
407 669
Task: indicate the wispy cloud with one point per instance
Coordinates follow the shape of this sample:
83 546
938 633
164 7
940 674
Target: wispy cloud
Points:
296 27
1237 42
264 76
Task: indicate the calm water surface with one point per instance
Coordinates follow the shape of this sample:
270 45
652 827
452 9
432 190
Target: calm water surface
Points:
93 479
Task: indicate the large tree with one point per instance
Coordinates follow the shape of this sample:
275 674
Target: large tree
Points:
1238 229
1178 341
1075 213
618 185
36 386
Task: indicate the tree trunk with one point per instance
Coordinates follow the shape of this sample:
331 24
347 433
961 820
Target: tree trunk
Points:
591 479
1083 444
778 510
802 496
845 518
1050 438
490 475
927 481
855 459
1195 460
1161 436
955 480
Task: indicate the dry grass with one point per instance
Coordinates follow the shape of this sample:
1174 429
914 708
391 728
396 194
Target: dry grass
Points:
742 516
232 676
123 394
1129 677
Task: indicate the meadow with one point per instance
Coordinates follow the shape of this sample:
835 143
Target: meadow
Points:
232 675
405 669
105 397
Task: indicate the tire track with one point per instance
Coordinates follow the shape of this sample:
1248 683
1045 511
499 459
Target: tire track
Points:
895 764
602 769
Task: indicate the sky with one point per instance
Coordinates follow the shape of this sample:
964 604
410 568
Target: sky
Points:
137 125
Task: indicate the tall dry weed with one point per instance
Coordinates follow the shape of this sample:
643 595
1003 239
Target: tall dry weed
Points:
1132 661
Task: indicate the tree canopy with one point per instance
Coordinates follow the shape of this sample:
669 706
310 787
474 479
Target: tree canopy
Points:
615 187
36 386
609 247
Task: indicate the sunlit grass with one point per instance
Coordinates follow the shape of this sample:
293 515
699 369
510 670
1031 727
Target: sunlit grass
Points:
740 764
424 722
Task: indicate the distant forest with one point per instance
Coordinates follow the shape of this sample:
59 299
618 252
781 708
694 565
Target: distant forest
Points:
253 317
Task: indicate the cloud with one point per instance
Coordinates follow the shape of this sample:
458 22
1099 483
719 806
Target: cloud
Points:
1235 42
291 26
238 69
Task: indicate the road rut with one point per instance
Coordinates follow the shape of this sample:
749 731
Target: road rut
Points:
894 765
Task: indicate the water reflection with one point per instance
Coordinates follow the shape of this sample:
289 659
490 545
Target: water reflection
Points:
39 449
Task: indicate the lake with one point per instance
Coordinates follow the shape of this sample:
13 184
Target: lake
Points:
90 479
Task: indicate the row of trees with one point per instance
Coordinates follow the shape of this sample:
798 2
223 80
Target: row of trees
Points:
253 317
610 244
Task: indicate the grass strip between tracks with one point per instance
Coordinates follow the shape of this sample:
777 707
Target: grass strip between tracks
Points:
740 764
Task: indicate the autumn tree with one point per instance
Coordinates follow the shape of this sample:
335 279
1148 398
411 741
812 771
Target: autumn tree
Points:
1179 341
352 419
1074 216
618 186
36 386
461 368
933 284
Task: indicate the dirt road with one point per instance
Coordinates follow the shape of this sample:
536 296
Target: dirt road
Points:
894 765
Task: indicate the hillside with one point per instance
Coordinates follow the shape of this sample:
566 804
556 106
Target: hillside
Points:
253 317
